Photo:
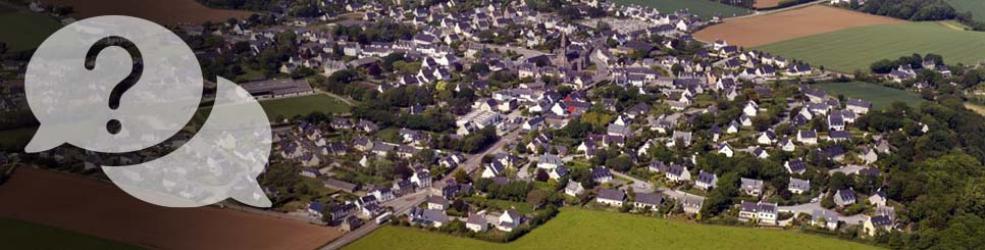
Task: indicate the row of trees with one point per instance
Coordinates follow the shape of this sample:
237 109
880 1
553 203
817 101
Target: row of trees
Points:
915 10
915 61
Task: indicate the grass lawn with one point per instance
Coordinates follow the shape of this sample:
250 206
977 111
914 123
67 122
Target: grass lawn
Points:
880 96
522 207
304 105
703 8
587 229
857 48
22 235
24 31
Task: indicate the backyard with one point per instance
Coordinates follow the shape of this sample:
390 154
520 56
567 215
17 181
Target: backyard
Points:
880 96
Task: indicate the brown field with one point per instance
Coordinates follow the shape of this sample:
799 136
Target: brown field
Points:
167 12
96 208
781 26
766 4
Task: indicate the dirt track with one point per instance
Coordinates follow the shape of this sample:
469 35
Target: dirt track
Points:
168 12
96 208
766 29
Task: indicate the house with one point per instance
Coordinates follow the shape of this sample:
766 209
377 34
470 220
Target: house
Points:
682 137
836 122
549 162
383 194
751 187
477 223
557 173
858 106
878 199
787 145
726 150
493 169
421 178
428 217
315 209
351 223
761 212
574 188
876 224
795 166
824 218
839 136
760 153
844 197
509 220
611 197
706 180
799 186
437 202
692 203
869 155
601 174
340 185
648 201
766 138
677 173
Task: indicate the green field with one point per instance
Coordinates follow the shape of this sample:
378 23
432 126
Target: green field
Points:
703 8
857 48
880 96
295 106
976 7
23 31
22 235
588 229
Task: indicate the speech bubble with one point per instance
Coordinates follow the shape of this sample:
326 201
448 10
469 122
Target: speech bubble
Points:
72 100
140 77
221 161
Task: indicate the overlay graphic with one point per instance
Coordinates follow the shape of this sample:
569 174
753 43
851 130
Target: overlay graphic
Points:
117 84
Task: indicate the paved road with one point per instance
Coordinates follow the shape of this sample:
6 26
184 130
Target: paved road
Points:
400 206
808 208
639 185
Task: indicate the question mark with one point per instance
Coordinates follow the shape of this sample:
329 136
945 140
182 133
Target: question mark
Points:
114 126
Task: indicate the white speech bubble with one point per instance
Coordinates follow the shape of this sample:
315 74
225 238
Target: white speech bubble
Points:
221 161
71 101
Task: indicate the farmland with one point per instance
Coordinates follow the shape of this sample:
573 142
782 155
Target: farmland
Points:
22 235
880 96
304 105
23 31
165 12
703 8
781 26
588 229
99 209
851 49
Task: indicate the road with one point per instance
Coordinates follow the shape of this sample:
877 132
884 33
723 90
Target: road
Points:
639 185
404 204
400 206
808 208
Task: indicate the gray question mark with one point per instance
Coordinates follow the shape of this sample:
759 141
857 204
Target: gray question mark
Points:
114 126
